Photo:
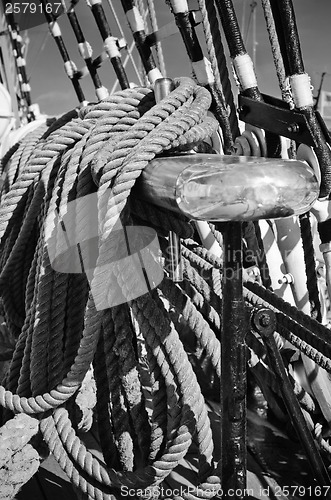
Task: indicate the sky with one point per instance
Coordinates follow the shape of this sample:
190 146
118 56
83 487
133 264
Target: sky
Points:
53 91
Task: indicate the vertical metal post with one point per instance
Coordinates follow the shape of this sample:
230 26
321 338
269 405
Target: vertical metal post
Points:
233 369
162 88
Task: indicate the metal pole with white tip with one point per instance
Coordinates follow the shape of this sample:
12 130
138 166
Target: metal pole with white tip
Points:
162 88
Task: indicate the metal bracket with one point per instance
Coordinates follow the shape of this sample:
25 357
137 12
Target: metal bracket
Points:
275 115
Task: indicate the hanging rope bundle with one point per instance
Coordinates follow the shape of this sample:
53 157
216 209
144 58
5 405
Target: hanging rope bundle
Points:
129 369
59 331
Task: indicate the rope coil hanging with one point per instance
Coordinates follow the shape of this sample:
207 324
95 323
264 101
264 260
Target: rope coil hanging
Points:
60 330
61 334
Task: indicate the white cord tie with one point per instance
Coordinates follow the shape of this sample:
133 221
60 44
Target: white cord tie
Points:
70 68
85 50
244 69
111 48
203 71
135 20
301 90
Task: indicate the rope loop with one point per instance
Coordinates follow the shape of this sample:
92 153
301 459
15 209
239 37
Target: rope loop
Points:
100 151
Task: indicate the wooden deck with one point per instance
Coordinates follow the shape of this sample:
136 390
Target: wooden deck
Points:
277 466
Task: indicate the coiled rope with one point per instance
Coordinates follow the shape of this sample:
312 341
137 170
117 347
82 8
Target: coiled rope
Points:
59 332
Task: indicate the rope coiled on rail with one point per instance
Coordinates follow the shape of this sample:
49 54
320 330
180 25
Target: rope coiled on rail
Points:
53 316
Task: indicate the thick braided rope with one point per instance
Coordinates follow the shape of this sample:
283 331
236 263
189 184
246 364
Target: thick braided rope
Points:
185 377
70 383
161 467
153 314
103 413
48 152
306 401
50 161
120 417
129 376
8 155
64 164
148 137
62 136
201 304
195 320
202 252
24 150
309 336
125 277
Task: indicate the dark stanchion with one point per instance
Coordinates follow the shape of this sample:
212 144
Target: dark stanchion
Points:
23 81
233 365
236 45
69 67
287 32
86 52
110 43
136 23
201 69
